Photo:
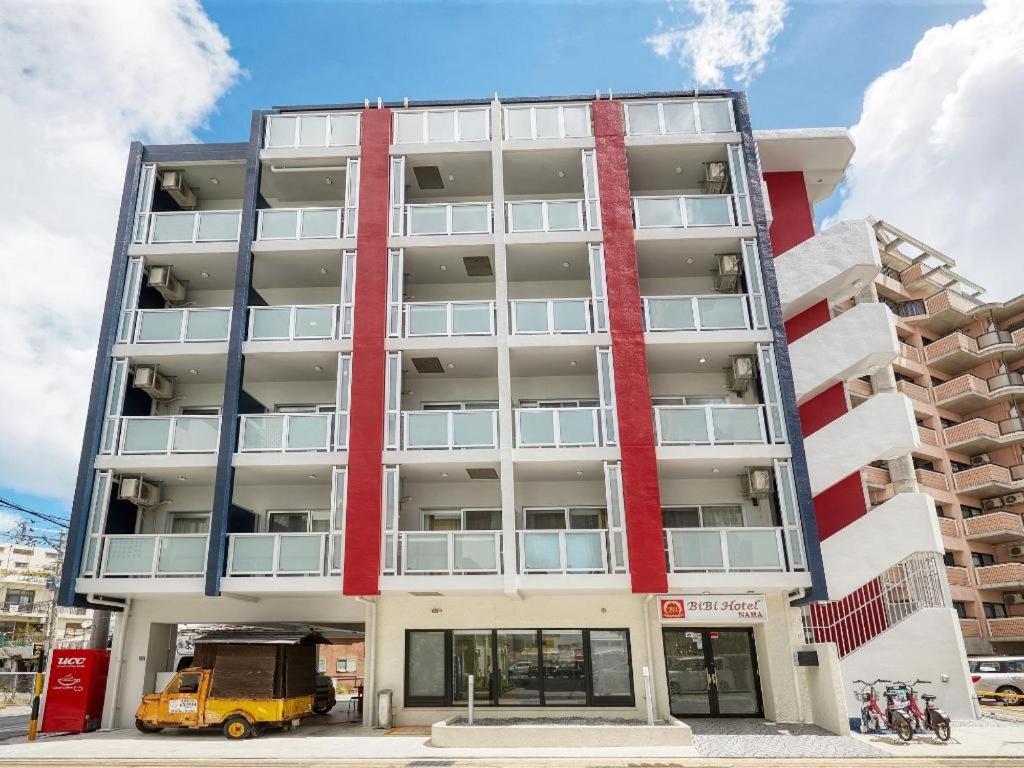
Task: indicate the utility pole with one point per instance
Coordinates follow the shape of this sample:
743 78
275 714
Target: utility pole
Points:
51 613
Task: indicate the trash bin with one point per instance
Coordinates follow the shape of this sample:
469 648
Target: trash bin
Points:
385 712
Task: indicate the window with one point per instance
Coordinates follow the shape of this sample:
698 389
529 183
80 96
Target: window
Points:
345 665
519 667
958 466
461 519
940 511
565 518
188 683
18 597
966 511
558 403
691 400
321 664
923 464
948 559
299 521
981 559
200 410
947 423
190 522
708 516
475 405
961 608
994 610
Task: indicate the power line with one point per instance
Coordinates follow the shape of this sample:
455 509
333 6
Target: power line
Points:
60 522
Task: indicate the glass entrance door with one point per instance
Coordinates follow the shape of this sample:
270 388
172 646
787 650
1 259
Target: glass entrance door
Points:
712 672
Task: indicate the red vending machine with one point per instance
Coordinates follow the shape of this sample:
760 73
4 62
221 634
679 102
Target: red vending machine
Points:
75 687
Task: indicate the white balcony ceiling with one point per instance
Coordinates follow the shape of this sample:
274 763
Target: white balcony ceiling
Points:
543 262
667 258
283 188
472 172
654 168
536 173
209 368
821 153
290 366
528 362
199 176
469 363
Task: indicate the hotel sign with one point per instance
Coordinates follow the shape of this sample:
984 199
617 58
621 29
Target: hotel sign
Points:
703 609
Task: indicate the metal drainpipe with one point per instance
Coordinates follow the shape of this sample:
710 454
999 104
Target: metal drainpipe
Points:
115 682
650 648
369 660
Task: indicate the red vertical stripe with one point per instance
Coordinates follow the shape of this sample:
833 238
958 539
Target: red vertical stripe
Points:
793 220
632 387
366 425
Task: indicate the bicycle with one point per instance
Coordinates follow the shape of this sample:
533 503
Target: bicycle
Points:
893 717
931 718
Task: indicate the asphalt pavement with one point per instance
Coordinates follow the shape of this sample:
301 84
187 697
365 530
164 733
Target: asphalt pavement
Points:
12 725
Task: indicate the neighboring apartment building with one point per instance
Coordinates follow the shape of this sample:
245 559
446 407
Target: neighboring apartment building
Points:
27 576
505 385
960 364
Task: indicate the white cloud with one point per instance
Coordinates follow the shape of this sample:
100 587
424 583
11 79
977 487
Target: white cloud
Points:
78 82
716 38
939 153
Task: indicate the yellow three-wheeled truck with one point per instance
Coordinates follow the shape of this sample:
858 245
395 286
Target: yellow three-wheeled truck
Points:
241 681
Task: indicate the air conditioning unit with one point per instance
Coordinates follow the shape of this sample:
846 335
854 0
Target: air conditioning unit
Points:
152 383
981 458
727 274
1017 551
138 492
995 503
716 178
166 284
173 183
1013 598
1013 498
740 373
758 483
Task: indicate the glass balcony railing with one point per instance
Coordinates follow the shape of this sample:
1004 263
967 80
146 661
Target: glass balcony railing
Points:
449 552
545 216
450 429
579 551
295 322
724 549
715 312
169 434
181 325
285 432
188 227
312 130
675 117
551 316
176 554
433 126
684 211
449 318
299 223
448 219
709 424
558 427
547 122
281 554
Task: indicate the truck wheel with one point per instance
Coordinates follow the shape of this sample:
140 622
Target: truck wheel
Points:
143 728
237 728
321 709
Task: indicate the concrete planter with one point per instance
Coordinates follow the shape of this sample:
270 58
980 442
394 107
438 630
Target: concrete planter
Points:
669 733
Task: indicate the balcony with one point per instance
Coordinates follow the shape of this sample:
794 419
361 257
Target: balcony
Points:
168 434
448 219
164 555
442 126
293 432
306 322
876 477
994 528
299 224
558 428
449 430
541 316
309 130
713 312
947 527
914 391
709 424
284 554
670 118
928 436
723 550
545 216
930 479
958 351
978 435
859 390
564 552
448 318
957 576
179 326
1000 576
448 553
564 121
1010 628
969 393
970 628
684 211
180 227
989 479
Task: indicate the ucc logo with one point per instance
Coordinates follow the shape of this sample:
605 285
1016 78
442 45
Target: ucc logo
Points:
71 661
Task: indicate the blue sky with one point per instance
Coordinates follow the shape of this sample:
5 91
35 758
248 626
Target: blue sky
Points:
322 52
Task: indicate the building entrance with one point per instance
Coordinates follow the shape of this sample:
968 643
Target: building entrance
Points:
712 672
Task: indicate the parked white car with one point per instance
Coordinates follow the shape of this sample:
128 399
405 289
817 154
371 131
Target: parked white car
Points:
999 674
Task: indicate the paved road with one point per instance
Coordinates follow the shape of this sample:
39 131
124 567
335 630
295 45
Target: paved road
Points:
13 725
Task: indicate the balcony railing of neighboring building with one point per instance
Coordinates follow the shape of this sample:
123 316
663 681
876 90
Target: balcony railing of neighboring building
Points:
449 553
908 352
669 118
957 576
709 424
994 526
439 126
928 436
989 477
953 342
171 326
970 628
913 391
448 219
558 427
1008 628
950 300
529 316
448 318
563 121
579 551
168 434
891 272
315 553
339 129
163 555
725 550
969 384
909 308
684 211
712 312
288 432
298 322
860 389
876 477
181 227
545 216
1000 576
441 430
948 527
930 479
299 223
